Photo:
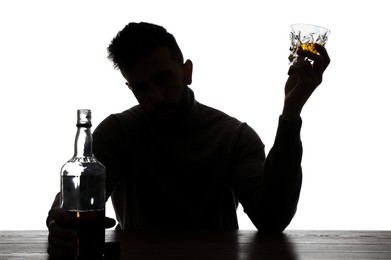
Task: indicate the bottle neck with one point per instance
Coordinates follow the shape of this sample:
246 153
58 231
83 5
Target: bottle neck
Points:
83 142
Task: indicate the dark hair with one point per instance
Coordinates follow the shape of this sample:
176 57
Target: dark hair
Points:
139 39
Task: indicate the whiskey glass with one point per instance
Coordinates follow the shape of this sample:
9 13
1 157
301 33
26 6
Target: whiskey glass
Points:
304 37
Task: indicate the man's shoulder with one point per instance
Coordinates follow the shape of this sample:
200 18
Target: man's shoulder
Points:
129 118
218 115
130 114
222 126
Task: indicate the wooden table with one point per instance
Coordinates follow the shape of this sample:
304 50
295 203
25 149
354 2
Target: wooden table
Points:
203 245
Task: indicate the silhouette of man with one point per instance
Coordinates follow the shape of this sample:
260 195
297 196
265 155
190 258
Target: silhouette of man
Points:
174 163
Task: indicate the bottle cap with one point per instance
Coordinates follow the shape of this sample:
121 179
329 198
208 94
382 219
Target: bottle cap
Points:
83 118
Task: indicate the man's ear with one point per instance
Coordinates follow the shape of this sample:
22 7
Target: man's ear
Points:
188 71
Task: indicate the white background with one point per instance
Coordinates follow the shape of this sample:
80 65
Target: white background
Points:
53 61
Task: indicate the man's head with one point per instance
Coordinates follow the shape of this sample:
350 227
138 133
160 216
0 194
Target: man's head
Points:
137 40
152 64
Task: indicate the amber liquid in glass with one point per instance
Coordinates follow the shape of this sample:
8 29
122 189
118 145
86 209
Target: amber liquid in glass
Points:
310 46
90 225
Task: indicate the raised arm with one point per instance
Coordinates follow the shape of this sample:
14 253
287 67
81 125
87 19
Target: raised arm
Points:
269 189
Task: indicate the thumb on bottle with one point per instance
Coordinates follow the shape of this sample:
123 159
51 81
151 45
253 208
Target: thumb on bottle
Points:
109 222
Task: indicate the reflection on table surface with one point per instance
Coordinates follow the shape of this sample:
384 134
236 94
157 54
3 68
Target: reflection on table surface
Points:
300 245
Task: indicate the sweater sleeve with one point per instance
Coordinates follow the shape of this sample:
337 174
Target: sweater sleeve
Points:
269 188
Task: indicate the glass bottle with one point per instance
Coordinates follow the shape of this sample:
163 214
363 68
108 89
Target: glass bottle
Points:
83 191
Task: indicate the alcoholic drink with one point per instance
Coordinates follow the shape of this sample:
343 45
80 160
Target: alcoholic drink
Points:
305 36
83 192
310 46
90 225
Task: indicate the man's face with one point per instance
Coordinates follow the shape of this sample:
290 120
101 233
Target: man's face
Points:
159 84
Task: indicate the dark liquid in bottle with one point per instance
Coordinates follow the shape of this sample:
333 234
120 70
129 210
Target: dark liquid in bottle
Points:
90 225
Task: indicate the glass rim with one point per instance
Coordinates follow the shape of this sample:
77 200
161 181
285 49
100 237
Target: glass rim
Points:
312 25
